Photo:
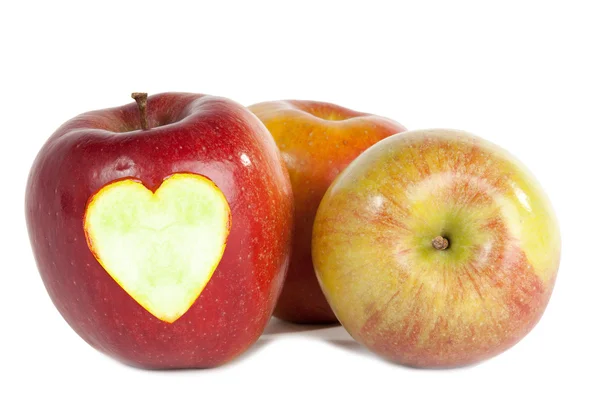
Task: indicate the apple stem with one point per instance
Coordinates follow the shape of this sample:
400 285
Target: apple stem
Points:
141 98
440 243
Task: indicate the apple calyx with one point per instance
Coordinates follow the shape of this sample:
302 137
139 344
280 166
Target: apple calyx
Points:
440 243
141 98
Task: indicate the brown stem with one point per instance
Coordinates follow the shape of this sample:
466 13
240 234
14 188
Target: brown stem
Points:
440 243
141 98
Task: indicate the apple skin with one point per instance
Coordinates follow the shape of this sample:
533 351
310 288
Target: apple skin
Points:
317 141
419 306
211 136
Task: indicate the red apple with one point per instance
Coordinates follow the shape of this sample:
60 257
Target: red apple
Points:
436 248
317 141
162 232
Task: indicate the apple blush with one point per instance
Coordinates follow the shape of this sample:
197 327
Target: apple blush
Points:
436 248
317 141
162 228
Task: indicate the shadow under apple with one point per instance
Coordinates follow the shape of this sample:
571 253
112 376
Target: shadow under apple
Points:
334 334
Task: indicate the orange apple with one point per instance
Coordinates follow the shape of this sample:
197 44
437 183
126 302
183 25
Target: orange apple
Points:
436 248
317 141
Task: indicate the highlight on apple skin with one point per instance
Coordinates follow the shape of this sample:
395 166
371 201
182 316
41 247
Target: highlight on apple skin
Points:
162 230
317 141
436 248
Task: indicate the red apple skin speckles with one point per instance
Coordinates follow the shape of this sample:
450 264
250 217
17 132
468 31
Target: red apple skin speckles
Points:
193 133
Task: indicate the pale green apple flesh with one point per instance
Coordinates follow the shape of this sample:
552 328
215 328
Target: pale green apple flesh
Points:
161 247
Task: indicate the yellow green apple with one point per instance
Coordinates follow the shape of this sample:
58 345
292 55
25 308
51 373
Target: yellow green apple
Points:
436 248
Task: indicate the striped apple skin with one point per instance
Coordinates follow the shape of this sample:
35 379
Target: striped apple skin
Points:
417 305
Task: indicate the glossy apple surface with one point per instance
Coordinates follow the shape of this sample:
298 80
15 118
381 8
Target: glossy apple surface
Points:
436 248
317 141
164 247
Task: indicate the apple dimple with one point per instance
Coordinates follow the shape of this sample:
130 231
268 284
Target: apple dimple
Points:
163 247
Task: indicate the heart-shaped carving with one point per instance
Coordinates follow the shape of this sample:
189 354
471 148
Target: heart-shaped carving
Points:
163 247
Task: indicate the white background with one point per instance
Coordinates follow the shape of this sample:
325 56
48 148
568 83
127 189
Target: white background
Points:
522 74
